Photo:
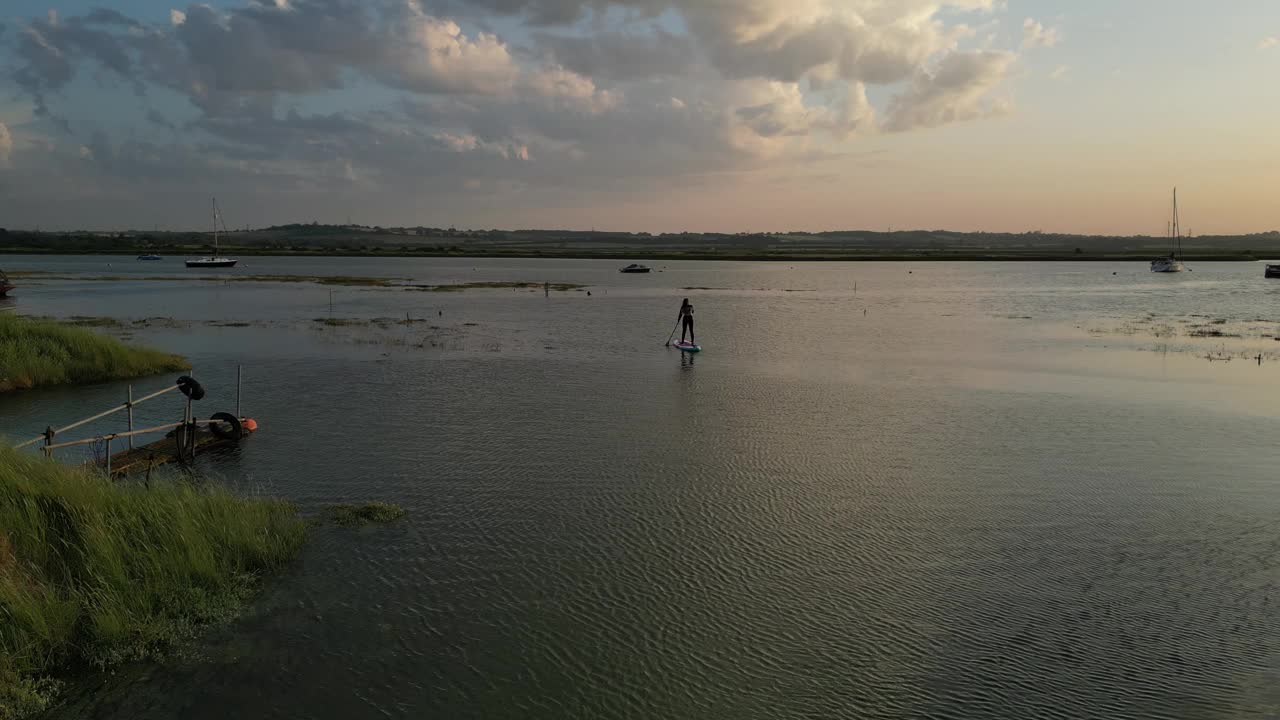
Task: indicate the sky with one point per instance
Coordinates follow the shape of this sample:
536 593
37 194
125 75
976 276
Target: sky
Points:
643 115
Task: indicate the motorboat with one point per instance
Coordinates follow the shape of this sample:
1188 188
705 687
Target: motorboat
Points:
149 258
635 268
1273 271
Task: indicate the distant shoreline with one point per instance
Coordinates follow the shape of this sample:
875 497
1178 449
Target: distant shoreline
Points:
638 254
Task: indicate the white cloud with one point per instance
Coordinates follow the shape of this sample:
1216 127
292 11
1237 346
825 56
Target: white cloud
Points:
872 41
572 90
6 145
621 56
1268 43
954 91
457 143
1035 34
430 54
770 117
423 97
465 143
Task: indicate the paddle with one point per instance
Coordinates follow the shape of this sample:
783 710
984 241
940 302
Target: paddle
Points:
673 331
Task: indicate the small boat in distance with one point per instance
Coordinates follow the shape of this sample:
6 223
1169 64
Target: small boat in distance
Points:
1272 271
1173 263
149 258
634 268
214 261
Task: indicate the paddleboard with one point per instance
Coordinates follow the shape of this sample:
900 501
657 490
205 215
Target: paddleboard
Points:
688 347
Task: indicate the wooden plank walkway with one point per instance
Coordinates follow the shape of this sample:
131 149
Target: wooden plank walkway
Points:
165 451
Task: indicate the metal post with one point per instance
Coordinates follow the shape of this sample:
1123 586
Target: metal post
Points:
108 458
130 416
188 435
239 374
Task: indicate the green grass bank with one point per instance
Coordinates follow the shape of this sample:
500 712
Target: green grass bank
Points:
93 573
44 352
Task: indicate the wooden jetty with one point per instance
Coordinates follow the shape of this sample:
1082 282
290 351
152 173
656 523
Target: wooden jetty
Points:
176 447
181 443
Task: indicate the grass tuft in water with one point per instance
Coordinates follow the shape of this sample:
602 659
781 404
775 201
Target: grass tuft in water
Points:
374 512
94 573
43 352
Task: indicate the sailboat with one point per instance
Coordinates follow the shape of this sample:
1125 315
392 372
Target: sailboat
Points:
1173 263
214 261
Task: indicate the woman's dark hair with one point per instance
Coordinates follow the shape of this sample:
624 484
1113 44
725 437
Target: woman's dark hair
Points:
686 302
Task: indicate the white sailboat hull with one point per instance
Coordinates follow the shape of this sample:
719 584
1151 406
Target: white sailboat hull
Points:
213 262
1173 263
216 261
1167 265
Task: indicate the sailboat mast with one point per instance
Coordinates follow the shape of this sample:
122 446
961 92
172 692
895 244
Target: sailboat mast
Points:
1177 226
215 227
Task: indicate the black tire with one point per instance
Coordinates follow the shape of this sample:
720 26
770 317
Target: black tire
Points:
220 431
190 387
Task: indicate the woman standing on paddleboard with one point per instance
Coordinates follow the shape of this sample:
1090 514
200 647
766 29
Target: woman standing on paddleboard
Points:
686 321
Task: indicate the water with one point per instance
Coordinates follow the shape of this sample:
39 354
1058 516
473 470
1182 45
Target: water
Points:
1000 492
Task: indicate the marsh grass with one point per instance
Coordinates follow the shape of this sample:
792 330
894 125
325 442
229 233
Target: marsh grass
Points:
94 573
45 352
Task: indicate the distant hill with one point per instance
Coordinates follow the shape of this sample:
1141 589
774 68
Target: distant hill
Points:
844 244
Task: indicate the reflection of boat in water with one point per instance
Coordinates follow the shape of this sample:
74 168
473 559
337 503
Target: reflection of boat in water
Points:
1272 271
634 268
214 261
1173 263
149 258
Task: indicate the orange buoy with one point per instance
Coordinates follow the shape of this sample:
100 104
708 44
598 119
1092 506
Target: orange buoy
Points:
250 424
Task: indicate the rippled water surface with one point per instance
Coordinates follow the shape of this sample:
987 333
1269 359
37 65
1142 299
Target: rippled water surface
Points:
959 491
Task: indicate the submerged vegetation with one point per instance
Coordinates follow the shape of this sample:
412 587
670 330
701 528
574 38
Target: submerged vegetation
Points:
43 352
93 573
343 280
339 322
87 321
558 287
340 280
346 280
352 515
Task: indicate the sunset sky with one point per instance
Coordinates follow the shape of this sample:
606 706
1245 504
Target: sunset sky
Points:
656 115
